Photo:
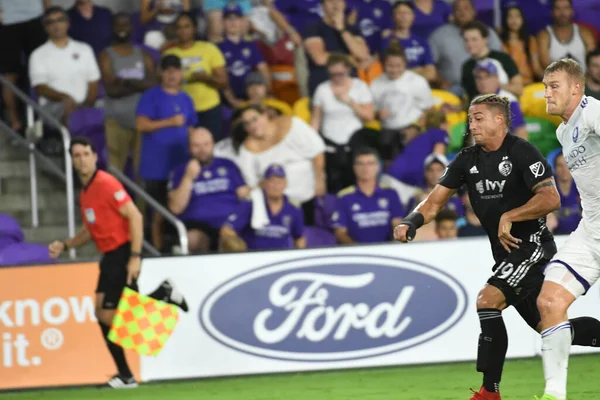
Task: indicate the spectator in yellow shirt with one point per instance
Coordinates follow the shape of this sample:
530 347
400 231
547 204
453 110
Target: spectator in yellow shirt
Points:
204 73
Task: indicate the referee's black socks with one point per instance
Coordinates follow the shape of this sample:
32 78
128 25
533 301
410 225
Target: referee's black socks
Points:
116 352
585 331
493 343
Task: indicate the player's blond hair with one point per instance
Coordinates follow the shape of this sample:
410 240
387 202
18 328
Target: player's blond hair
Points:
570 67
499 103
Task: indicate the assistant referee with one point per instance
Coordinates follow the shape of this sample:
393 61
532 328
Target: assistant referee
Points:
114 223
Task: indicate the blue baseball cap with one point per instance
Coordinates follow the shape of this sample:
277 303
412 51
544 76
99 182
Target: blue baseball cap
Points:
487 66
275 170
232 9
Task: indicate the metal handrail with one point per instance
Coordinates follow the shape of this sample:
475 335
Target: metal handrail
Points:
66 139
181 230
51 167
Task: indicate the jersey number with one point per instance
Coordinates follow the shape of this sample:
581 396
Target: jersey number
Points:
504 270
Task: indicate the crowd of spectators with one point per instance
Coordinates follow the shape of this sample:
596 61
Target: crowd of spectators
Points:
258 123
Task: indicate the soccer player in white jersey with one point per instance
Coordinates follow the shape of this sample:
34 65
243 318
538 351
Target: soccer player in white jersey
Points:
576 266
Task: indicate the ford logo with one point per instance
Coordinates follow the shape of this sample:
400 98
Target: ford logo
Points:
333 308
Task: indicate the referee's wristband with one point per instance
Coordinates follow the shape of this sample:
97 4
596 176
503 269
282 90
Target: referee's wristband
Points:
135 254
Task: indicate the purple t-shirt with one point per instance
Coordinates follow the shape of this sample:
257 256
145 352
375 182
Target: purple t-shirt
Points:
425 24
242 58
373 17
214 196
368 219
300 13
97 31
408 166
163 149
417 50
518 120
283 228
570 210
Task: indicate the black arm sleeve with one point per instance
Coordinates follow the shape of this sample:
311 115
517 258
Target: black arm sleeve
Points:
454 175
531 164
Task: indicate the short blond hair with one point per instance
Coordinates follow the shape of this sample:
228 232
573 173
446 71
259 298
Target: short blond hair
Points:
570 67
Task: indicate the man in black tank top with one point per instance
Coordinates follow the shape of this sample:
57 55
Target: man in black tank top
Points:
511 190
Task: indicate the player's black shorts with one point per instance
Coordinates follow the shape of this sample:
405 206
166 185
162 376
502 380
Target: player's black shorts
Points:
212 233
520 277
113 275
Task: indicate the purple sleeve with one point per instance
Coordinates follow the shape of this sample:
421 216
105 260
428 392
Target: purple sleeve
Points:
236 176
298 224
446 10
257 56
284 5
145 105
240 219
339 219
192 117
176 177
396 209
440 136
518 120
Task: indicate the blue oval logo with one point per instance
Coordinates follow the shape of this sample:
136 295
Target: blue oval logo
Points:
575 134
333 308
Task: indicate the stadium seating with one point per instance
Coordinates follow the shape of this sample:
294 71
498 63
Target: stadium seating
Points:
13 248
457 133
542 133
444 97
533 103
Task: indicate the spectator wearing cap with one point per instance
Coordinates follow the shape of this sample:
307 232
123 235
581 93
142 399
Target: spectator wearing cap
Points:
416 48
90 24
448 49
366 212
241 55
63 71
164 115
401 97
487 81
284 226
592 81
372 17
205 191
204 73
331 34
214 11
257 93
430 15
127 71
475 36
445 224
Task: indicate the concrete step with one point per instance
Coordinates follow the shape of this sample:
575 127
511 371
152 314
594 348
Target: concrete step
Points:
16 185
22 202
12 153
47 234
14 169
52 217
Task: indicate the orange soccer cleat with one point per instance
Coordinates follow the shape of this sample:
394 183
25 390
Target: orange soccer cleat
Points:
485 395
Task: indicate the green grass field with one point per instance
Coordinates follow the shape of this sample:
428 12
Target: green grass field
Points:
522 380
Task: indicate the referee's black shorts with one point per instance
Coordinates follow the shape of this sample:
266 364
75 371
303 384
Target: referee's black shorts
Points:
520 277
113 275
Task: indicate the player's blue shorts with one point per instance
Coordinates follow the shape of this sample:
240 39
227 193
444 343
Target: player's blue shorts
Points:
213 5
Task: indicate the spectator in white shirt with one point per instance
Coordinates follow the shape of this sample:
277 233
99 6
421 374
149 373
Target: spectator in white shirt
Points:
401 96
63 71
340 108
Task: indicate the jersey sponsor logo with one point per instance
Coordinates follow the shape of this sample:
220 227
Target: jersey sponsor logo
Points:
333 308
90 216
490 186
505 166
120 195
537 169
576 158
575 134
474 170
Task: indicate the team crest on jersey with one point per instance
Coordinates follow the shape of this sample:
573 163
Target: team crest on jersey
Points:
90 215
383 203
246 52
287 220
207 175
505 166
576 134
356 207
222 171
377 13
537 169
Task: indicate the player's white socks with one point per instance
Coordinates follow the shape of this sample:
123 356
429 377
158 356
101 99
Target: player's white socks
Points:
556 343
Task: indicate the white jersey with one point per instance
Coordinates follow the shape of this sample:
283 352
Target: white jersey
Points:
580 140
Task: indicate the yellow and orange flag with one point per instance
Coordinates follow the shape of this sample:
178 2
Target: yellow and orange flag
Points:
142 323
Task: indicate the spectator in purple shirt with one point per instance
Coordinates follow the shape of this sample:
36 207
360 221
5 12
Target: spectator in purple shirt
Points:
416 48
430 15
372 17
205 191
487 81
90 24
285 226
241 55
568 216
366 212
332 34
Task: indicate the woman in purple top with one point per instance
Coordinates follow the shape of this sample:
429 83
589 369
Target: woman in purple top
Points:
569 214
430 15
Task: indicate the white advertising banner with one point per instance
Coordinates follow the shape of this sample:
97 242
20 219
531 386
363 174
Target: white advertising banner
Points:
331 308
